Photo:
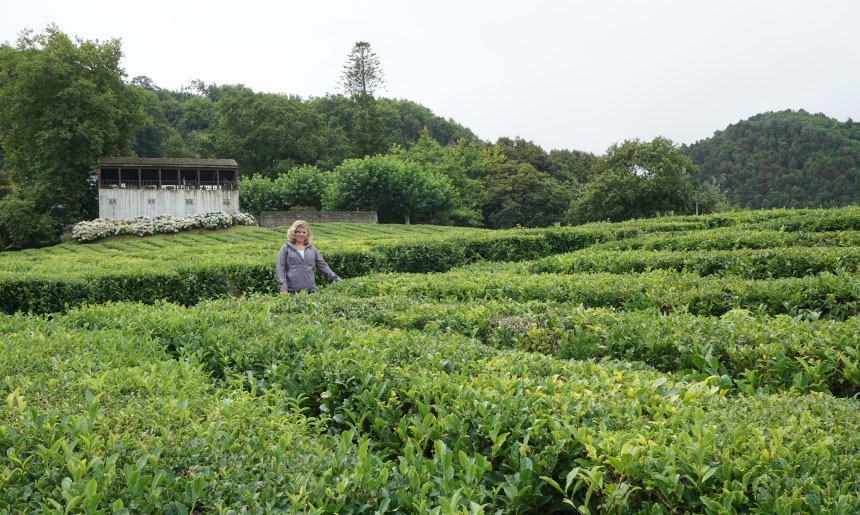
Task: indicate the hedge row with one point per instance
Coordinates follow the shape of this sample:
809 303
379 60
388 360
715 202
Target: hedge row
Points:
451 425
219 273
751 354
208 280
818 220
811 220
237 246
190 268
732 238
828 295
751 264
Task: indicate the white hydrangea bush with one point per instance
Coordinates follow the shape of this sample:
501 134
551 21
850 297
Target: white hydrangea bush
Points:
144 226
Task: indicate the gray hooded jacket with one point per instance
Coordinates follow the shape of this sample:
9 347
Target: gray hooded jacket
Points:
295 273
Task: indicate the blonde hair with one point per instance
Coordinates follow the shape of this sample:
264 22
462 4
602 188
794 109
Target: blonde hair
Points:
291 232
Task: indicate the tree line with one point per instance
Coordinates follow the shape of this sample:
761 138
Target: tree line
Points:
270 133
67 102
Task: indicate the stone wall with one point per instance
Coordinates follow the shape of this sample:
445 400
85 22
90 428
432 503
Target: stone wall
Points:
286 218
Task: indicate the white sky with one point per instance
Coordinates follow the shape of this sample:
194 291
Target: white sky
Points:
564 74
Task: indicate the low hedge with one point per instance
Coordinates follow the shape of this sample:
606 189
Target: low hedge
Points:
833 296
216 265
834 293
750 353
445 423
218 275
748 263
731 239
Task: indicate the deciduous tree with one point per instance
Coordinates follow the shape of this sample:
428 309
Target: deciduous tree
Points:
64 105
396 191
637 179
269 134
464 164
518 194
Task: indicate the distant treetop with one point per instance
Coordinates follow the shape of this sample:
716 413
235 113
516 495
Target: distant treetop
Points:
788 159
362 74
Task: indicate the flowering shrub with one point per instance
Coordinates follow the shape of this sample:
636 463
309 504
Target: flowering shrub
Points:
144 226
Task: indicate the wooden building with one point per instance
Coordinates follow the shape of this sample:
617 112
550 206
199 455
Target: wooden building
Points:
143 186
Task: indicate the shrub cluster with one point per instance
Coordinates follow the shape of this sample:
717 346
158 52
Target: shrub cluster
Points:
828 295
750 353
144 226
266 409
683 380
750 263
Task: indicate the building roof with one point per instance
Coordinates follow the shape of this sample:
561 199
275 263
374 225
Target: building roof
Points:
105 162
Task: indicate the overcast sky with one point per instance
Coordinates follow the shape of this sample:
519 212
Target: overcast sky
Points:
564 74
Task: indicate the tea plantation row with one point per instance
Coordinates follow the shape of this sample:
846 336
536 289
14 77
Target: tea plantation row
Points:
263 404
827 295
748 263
188 268
749 353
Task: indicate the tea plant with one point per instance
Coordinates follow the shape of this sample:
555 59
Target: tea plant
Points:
387 419
673 365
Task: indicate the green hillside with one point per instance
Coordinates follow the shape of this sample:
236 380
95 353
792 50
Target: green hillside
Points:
785 159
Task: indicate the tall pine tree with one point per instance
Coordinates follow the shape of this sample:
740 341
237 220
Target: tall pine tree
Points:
362 76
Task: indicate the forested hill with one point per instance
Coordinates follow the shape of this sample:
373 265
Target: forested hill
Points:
211 120
784 159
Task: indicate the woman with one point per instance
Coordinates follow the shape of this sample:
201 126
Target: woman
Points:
297 259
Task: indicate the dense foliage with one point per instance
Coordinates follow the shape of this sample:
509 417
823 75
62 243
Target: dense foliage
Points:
639 179
722 378
270 133
301 187
519 194
397 191
784 159
64 105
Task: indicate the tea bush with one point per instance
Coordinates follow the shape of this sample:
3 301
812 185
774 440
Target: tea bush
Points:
673 365
748 263
104 421
750 353
192 267
827 295
361 418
